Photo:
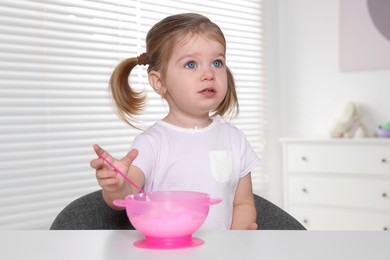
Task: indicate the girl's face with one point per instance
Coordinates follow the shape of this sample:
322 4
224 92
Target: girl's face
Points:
196 77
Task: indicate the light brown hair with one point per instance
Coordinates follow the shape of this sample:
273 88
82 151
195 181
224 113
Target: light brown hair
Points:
160 42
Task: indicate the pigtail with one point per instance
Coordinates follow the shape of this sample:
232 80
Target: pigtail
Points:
128 102
229 106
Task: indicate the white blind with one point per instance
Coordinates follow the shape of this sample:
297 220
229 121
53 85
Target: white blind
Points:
55 64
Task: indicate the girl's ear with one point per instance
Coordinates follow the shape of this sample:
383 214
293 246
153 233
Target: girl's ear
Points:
156 82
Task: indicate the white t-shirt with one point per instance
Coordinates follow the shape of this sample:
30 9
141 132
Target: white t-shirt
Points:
209 160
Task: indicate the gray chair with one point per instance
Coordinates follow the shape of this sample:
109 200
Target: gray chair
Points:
91 212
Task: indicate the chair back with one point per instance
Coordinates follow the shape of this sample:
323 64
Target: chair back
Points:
91 212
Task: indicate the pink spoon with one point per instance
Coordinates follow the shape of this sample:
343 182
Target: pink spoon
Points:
121 173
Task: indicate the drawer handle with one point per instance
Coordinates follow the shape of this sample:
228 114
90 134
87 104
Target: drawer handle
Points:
384 195
385 228
304 190
305 221
384 160
304 158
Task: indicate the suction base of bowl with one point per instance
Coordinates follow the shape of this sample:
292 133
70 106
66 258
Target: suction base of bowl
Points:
168 243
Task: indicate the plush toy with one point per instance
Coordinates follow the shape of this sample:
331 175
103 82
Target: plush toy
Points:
383 130
350 123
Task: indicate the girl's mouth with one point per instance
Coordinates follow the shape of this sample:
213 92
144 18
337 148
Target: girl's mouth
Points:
207 90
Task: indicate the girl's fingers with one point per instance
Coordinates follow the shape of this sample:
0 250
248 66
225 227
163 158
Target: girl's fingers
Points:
104 174
129 157
108 182
100 151
96 163
253 226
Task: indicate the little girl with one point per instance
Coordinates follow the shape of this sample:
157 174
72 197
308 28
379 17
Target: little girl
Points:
193 148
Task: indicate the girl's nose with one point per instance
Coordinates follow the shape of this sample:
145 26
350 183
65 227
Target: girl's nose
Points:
208 74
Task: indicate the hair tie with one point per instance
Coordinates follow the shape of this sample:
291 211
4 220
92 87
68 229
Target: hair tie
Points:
142 59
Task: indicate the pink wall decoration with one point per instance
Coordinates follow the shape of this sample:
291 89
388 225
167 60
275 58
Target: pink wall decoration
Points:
364 35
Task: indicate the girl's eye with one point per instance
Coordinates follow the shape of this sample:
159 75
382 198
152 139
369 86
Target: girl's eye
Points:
191 64
217 63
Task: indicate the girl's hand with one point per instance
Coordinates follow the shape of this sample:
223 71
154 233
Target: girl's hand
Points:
253 226
107 177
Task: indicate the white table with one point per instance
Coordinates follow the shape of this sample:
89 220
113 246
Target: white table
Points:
221 245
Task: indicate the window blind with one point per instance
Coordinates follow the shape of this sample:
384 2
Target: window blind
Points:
56 60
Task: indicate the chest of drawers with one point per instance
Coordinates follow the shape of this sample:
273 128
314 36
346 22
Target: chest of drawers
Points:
337 184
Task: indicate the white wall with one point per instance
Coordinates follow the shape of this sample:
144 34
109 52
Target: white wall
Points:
308 91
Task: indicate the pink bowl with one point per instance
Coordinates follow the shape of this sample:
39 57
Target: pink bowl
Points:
167 219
